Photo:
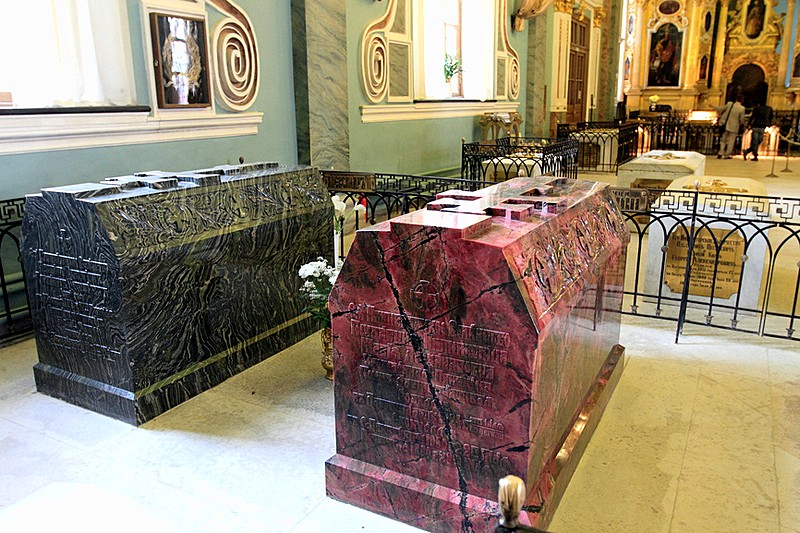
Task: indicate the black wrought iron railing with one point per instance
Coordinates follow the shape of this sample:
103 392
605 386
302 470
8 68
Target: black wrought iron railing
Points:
676 132
678 135
15 320
603 146
510 157
713 258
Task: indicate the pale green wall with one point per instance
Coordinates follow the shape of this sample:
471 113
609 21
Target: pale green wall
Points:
418 146
28 173
421 146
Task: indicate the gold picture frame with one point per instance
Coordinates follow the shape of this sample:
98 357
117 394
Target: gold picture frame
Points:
180 61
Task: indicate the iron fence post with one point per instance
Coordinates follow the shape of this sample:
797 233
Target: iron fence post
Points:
688 269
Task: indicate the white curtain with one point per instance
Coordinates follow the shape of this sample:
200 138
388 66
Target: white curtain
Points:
66 53
477 49
433 43
478 46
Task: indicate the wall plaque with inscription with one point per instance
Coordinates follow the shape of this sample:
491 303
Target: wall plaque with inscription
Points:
149 289
475 339
716 262
732 216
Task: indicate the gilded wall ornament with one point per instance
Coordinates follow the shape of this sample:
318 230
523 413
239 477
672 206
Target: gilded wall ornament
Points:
599 17
563 6
767 60
528 10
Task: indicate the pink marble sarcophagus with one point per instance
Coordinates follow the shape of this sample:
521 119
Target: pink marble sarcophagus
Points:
475 339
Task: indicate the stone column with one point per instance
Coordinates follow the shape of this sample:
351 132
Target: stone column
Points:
562 32
319 40
718 84
595 42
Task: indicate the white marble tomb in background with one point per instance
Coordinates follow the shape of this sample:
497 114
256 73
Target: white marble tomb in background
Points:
651 166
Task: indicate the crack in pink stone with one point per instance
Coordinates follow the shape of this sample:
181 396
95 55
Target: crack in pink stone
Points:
417 344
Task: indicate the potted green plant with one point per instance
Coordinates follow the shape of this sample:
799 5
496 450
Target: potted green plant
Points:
452 67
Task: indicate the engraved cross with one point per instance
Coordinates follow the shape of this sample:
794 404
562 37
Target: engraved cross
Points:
424 295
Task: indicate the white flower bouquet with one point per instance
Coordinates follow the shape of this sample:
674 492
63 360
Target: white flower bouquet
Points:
318 279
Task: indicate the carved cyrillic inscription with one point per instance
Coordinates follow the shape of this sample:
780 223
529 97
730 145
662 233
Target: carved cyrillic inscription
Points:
457 364
73 289
428 441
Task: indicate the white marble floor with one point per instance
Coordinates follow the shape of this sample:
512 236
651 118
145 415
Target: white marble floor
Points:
703 435
700 436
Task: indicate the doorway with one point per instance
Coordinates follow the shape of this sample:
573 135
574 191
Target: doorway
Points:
749 81
578 69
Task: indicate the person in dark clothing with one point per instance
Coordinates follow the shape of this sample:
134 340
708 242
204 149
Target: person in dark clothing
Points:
760 118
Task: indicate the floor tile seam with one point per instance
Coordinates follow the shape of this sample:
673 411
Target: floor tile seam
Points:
787 451
85 453
10 421
299 526
261 402
774 376
685 452
738 393
778 503
8 388
271 403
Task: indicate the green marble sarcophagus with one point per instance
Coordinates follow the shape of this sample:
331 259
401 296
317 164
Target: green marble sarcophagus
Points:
146 290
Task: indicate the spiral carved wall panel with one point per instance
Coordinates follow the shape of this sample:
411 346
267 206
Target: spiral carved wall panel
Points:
387 62
235 58
375 54
506 51
514 77
374 66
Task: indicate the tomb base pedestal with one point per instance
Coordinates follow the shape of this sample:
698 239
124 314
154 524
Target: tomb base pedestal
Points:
436 508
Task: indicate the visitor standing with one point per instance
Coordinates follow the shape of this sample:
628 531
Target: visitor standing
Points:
760 118
732 117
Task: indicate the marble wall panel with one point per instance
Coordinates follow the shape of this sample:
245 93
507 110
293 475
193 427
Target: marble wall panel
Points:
400 74
500 77
326 39
535 105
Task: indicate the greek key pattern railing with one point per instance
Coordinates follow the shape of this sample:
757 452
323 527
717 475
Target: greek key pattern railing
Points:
14 311
708 258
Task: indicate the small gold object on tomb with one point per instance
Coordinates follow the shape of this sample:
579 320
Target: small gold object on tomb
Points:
668 156
716 185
